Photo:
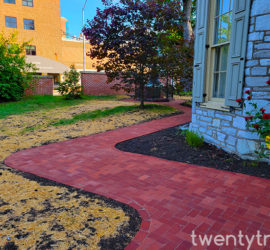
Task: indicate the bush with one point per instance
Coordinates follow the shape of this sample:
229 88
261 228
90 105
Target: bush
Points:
258 121
193 139
70 87
15 74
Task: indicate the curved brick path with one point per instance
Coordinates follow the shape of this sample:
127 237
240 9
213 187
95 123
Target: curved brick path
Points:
173 198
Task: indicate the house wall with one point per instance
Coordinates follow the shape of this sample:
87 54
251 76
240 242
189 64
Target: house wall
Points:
227 129
94 83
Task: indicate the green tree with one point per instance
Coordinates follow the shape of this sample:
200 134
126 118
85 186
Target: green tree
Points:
15 74
70 87
176 61
125 38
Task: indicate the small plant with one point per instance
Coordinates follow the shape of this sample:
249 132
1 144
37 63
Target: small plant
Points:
193 139
70 87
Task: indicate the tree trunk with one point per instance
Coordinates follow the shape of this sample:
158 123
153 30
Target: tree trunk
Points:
188 32
167 88
141 96
172 88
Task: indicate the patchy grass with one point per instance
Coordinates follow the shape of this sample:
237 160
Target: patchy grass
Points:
182 97
53 217
35 103
113 111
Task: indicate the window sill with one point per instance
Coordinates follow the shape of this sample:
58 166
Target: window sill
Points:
215 105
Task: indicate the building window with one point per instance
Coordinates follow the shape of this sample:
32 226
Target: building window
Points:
28 24
220 50
218 53
222 35
11 22
9 1
30 50
28 3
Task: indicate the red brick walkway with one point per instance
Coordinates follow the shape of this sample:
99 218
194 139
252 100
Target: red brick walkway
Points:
173 198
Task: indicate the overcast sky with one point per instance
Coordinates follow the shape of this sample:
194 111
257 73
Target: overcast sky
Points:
72 10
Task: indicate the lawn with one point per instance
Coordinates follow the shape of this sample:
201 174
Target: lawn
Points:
45 215
34 103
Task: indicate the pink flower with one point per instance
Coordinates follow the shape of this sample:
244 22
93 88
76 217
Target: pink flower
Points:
256 126
266 116
262 110
248 118
239 100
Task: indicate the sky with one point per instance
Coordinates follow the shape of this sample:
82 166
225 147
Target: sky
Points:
72 10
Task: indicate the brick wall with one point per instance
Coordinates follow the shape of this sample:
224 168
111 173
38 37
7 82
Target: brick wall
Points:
43 86
94 83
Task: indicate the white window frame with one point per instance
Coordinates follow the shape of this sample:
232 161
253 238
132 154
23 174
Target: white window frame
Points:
212 102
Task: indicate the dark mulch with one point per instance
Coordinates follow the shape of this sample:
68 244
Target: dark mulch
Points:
187 103
171 145
126 233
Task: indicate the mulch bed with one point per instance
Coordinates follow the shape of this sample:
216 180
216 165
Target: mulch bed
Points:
126 233
171 145
187 103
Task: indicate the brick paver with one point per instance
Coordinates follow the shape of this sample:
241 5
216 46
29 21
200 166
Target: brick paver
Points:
172 198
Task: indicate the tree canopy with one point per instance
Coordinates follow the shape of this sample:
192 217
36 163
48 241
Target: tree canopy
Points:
15 73
127 39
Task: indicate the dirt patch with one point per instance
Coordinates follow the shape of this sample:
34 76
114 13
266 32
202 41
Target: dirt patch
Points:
171 145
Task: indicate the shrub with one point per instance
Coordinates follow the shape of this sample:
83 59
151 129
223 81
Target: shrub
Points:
258 121
15 74
193 139
70 87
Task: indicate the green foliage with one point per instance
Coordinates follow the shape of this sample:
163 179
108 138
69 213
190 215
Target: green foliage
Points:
193 14
34 103
193 139
185 93
15 73
126 37
113 111
70 87
259 122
